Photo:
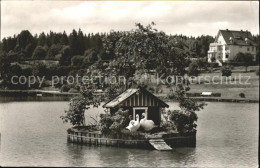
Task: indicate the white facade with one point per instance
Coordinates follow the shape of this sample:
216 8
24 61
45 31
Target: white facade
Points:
225 50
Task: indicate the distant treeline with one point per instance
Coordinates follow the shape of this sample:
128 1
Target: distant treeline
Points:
63 46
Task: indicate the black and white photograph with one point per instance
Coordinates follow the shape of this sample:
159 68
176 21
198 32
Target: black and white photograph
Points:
129 83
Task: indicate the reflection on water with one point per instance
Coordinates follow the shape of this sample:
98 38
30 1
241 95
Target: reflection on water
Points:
34 135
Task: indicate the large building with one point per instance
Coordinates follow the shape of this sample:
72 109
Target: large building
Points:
228 43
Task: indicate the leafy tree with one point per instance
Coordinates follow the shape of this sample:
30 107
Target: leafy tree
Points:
77 60
24 38
185 118
134 49
5 65
14 56
202 63
73 37
8 43
64 39
65 56
54 50
112 92
39 53
193 70
76 42
184 121
245 58
80 43
78 105
39 70
91 56
26 43
65 88
226 71
42 39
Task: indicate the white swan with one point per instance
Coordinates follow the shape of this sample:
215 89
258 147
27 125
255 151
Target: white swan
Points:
131 123
146 124
134 125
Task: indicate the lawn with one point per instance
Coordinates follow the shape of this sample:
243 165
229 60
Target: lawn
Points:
240 82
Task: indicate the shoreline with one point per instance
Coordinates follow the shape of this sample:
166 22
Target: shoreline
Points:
44 94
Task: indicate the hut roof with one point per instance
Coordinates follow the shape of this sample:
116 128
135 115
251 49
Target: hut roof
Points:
139 97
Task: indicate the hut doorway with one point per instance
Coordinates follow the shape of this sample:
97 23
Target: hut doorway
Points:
139 111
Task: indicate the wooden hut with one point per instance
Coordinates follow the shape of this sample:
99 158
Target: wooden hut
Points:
138 101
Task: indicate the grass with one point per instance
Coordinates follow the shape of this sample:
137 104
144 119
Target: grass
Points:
240 82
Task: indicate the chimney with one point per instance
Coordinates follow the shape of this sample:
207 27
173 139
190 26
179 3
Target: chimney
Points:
226 29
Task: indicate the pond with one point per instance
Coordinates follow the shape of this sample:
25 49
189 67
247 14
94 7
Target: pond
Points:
32 134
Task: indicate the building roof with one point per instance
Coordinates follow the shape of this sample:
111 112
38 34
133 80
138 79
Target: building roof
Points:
136 98
234 37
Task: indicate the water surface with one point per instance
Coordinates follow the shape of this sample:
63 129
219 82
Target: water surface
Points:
33 135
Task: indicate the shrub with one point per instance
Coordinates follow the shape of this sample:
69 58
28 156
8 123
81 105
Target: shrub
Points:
105 123
184 121
193 69
73 90
203 63
39 53
242 95
226 71
113 124
77 60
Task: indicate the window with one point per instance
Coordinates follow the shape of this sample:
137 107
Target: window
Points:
252 48
248 48
227 55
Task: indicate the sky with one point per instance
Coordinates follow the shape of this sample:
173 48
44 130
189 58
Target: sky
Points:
173 17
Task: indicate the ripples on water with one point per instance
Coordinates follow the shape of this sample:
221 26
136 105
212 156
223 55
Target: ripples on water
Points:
34 135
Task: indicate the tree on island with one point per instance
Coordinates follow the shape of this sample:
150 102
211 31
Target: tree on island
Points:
137 49
129 50
78 105
184 120
245 58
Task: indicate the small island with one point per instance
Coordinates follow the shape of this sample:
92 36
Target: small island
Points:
135 118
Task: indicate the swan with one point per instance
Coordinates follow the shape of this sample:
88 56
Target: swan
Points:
130 126
134 125
131 123
146 124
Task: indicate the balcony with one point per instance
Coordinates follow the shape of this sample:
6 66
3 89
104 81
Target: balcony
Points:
212 51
